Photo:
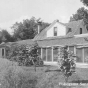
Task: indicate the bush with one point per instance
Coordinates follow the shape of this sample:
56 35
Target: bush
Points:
16 77
25 55
67 62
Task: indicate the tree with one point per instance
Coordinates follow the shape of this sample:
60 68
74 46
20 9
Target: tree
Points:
24 30
27 29
85 2
5 36
81 13
67 62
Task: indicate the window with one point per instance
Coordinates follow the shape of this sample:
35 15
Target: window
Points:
55 54
55 31
49 54
3 52
80 30
87 28
44 54
79 55
69 30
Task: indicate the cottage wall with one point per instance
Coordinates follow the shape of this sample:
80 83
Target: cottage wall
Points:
61 30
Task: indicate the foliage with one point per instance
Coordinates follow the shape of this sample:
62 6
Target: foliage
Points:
67 62
5 36
14 77
27 29
81 13
24 54
85 2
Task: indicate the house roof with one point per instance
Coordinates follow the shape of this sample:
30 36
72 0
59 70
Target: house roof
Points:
44 41
63 41
42 35
26 42
74 25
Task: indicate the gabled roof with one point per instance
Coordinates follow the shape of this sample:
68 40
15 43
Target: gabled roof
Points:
42 35
74 26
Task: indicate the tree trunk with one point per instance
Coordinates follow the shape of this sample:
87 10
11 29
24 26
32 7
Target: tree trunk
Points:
34 65
66 79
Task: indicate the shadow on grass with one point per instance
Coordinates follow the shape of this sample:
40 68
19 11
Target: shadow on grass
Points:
79 81
58 70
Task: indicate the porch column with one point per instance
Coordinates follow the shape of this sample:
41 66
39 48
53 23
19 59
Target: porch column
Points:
83 54
41 53
52 54
59 53
68 47
75 51
5 53
46 54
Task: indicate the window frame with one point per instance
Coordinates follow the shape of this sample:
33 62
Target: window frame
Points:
69 30
80 30
55 31
3 52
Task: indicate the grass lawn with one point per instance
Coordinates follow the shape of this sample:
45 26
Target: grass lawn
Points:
44 77
52 77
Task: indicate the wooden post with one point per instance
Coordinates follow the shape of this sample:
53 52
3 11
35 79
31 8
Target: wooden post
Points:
68 47
41 53
75 51
59 53
52 54
46 54
83 54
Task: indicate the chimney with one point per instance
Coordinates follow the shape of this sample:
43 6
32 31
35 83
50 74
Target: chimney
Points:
39 23
38 28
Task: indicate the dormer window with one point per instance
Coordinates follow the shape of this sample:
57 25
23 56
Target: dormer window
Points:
55 31
80 30
69 30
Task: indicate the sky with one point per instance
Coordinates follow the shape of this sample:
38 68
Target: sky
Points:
12 11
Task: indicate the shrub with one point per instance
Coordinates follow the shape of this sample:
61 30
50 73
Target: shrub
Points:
15 77
25 55
67 62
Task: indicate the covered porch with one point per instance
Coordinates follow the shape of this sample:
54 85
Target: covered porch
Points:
50 55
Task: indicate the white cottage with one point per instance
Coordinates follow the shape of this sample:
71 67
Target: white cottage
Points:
73 34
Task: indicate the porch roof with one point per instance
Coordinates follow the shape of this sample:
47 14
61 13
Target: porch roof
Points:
62 41
26 42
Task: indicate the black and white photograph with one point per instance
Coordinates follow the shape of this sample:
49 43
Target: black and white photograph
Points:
43 43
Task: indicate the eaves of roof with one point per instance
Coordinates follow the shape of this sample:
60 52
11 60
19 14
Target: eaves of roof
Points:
62 41
25 42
